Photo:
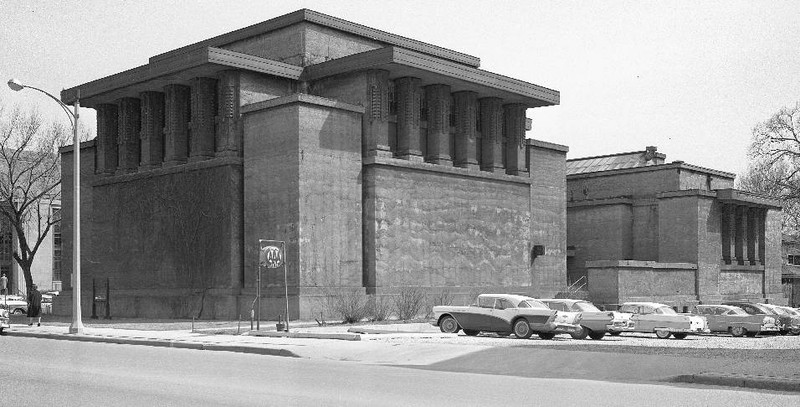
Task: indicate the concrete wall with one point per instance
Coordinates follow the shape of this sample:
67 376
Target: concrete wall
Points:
435 227
612 184
645 230
669 283
773 259
678 229
599 232
548 226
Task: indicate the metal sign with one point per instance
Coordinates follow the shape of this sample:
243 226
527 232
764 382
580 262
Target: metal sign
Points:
271 254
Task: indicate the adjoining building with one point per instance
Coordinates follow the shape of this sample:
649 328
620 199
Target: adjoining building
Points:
643 229
790 248
381 161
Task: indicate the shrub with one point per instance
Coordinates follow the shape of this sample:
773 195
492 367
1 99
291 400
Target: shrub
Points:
379 308
348 303
409 302
444 297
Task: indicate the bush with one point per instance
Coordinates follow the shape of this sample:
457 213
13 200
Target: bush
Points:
409 302
444 297
349 304
379 308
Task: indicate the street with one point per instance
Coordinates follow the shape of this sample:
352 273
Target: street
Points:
67 373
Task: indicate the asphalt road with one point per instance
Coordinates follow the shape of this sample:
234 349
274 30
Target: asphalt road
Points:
66 373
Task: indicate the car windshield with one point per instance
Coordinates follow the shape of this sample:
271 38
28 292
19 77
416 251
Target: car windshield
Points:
531 303
586 307
791 312
735 311
666 311
778 311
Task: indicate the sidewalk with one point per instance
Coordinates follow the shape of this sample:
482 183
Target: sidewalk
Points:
411 345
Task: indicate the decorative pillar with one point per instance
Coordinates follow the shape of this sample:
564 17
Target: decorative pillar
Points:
752 236
438 97
492 132
107 132
466 113
152 136
761 227
740 234
725 232
514 115
409 136
129 128
229 123
375 123
176 130
204 110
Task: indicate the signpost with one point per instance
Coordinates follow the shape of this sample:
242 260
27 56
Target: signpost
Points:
272 255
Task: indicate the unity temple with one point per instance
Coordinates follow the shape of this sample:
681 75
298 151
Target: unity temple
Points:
381 161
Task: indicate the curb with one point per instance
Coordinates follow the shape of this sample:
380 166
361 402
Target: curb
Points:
307 335
163 343
741 380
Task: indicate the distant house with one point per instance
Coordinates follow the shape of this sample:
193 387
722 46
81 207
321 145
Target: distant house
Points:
639 228
790 276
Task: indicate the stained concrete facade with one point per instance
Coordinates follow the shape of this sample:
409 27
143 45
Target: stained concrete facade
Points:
382 162
641 229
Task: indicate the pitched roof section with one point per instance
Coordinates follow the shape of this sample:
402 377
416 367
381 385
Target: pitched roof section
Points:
326 21
618 161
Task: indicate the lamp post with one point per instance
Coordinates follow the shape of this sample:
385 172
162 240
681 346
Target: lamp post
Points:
77 325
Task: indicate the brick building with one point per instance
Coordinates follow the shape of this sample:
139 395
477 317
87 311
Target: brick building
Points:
639 228
380 160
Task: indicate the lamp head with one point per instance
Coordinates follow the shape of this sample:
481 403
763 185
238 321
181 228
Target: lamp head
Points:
15 84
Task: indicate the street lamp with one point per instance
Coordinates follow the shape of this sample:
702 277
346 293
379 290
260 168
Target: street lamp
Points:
77 324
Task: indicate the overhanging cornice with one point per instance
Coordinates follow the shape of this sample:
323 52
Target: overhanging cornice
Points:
737 197
182 67
431 70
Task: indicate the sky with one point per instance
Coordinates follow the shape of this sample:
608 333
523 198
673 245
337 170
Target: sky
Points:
690 77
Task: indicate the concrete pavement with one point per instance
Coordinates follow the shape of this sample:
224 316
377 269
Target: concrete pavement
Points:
422 346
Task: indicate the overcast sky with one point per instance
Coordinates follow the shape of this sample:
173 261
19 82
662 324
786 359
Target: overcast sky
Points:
692 78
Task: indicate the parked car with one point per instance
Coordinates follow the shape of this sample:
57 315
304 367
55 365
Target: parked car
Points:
791 322
15 304
754 308
663 320
4 320
505 314
594 322
735 321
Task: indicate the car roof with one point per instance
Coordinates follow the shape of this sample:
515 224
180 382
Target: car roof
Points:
512 297
717 305
562 300
651 304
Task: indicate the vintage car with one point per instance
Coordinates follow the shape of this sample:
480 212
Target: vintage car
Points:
594 322
735 321
505 314
791 322
754 308
15 304
4 320
663 320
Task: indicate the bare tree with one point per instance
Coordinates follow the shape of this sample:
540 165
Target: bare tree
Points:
30 179
774 169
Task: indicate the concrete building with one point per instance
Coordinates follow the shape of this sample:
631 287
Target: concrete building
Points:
381 161
639 228
790 248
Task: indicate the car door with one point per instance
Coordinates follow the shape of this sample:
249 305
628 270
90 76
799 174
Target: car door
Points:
501 316
717 321
645 320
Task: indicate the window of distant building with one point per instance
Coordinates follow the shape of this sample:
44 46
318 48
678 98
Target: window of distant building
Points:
57 244
793 259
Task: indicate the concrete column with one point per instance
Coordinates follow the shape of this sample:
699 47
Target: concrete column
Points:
152 129
752 236
466 112
229 123
176 130
761 226
375 123
514 115
725 232
129 128
409 136
492 132
107 132
204 110
438 97
740 234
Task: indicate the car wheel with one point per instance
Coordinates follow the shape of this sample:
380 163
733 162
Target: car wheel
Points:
682 335
795 331
738 331
521 329
596 335
470 332
582 334
448 325
615 333
18 311
547 335
663 333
